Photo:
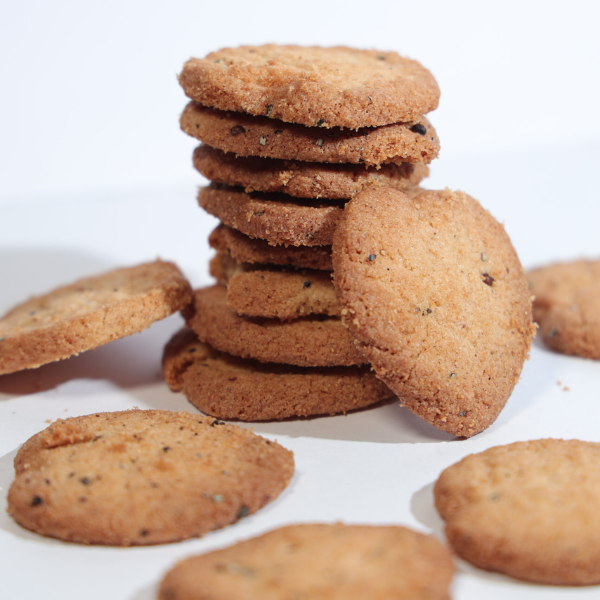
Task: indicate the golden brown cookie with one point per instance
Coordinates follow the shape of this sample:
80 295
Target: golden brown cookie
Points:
528 509
143 477
307 342
302 179
228 387
318 562
434 293
89 313
244 135
567 306
323 87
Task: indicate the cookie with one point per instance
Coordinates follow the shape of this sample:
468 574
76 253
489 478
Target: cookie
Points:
307 342
273 292
143 477
567 306
228 387
244 135
527 509
434 293
89 313
245 249
320 562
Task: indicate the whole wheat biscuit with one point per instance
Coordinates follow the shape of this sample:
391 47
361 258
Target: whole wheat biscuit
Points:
244 135
143 477
245 249
228 387
274 292
306 342
326 87
320 562
567 306
528 509
89 313
434 293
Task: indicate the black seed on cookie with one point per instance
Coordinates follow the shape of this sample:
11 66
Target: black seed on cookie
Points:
269 109
320 122
237 130
553 332
192 350
85 480
488 279
37 500
166 448
372 256
144 532
278 131
307 284
462 413
243 512
418 128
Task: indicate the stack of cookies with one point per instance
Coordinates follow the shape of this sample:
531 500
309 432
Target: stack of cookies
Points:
289 135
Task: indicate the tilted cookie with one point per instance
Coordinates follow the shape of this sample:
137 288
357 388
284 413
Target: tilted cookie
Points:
528 509
320 562
244 135
306 342
89 313
143 477
434 293
228 387
567 306
326 87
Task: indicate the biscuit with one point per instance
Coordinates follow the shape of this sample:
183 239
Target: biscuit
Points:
326 87
434 293
527 509
320 562
567 306
143 477
307 342
89 313
228 387
245 249
244 135
273 292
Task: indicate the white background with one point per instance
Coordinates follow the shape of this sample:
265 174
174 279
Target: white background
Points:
95 173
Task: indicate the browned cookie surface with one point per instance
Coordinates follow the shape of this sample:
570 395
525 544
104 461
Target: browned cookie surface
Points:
567 306
434 292
228 387
306 342
528 509
143 477
89 313
327 87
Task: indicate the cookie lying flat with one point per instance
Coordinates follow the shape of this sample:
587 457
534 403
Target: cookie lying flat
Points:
306 342
327 87
528 509
320 562
275 293
227 387
245 249
434 292
301 179
143 477
89 313
244 135
567 306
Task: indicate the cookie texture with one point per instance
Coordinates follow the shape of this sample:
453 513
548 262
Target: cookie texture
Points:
302 179
434 293
326 87
307 342
567 306
143 477
245 135
321 562
528 509
228 387
89 313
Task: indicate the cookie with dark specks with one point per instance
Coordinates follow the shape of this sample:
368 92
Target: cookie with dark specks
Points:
89 313
567 306
228 387
244 135
433 291
143 477
528 509
318 562
307 342
325 87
